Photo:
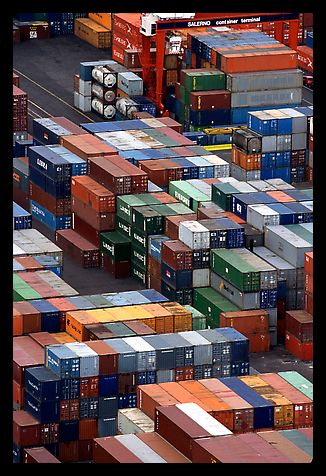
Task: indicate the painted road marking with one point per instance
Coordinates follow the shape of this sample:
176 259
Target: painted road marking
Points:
34 114
39 107
52 94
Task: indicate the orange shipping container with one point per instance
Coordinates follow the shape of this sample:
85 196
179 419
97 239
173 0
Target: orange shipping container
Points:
75 324
93 33
309 303
182 319
122 41
117 54
259 342
280 196
301 350
129 24
92 193
87 145
247 62
17 323
163 318
151 396
308 262
309 283
104 19
251 321
181 394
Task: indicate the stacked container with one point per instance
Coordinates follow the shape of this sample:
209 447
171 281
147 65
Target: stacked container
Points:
310 167
299 334
20 107
90 31
308 282
22 219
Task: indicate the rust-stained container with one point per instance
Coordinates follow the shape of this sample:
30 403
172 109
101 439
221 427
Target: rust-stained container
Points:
19 109
164 319
154 267
78 248
301 350
69 410
215 406
100 221
68 451
31 317
75 324
39 455
88 429
140 328
94 332
182 318
250 321
150 396
56 206
85 450
26 353
92 193
308 262
161 171
139 179
127 383
131 59
271 454
43 338
110 450
224 449
87 145
89 387
246 161
119 269
208 100
243 420
282 444
302 405
209 212
90 31
177 255
162 447
283 408
300 324
108 358
17 395
26 429
171 224
63 338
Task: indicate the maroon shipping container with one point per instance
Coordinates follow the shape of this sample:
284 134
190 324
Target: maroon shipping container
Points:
39 455
300 324
171 224
49 433
108 357
243 419
89 387
38 30
56 206
88 429
161 171
110 450
26 353
162 447
78 248
139 179
265 449
21 197
140 328
153 267
169 122
43 338
131 58
85 449
94 332
153 282
207 100
92 193
127 383
178 428
177 255
151 396
224 449
19 109
99 221
69 410
68 452
15 79
302 405
118 269
26 429
69 125
184 373
110 175
31 316
85 230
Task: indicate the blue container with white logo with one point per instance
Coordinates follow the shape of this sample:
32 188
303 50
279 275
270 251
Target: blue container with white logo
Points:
302 214
49 163
268 298
155 245
56 189
51 221
189 170
44 412
42 384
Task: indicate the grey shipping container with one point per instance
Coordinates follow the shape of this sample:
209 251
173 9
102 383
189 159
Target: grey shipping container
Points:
127 360
285 270
267 98
245 175
287 244
268 144
240 299
284 142
133 420
165 376
299 141
202 347
89 359
146 354
264 80
200 278
165 353
299 120
184 351
261 185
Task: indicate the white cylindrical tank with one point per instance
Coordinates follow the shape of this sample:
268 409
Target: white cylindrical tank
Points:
126 106
98 90
106 110
104 76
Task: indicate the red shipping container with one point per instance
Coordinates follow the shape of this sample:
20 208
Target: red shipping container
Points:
68 452
88 429
207 100
111 176
92 193
97 220
86 145
301 350
162 447
150 396
89 387
17 321
154 282
118 269
26 353
259 342
26 429
139 179
308 303
171 224
305 58
140 328
85 450
246 322
127 383
308 262
69 410
108 358
110 450
177 255
78 248
300 325
17 395
281 328
56 206
85 230
19 109
153 266
309 284
129 24
43 338
39 455
117 54
124 42
184 373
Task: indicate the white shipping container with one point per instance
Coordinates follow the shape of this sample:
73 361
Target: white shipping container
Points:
89 359
146 354
133 420
85 103
200 278
76 99
194 235
259 216
311 127
268 144
203 419
299 120
287 244
221 166
243 187
261 185
279 184
228 180
139 449
85 87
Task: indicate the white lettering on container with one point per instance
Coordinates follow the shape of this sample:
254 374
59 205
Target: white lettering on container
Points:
41 163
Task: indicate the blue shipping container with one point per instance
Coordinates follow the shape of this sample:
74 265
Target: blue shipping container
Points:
69 430
44 412
51 221
62 361
180 279
42 384
108 385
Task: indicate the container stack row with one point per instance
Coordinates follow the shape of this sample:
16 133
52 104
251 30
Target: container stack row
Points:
22 219
221 85
275 145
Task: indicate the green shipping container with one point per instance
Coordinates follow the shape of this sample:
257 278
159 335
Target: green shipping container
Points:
125 204
222 193
301 231
157 135
204 80
123 226
139 239
116 245
236 270
187 194
139 274
139 258
299 439
98 301
299 382
147 220
199 321
211 303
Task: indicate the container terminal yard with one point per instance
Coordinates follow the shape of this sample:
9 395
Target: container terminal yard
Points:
163 238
